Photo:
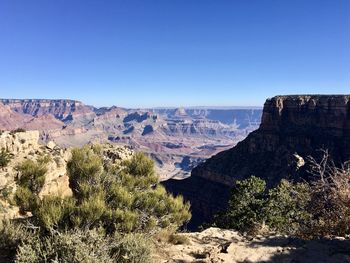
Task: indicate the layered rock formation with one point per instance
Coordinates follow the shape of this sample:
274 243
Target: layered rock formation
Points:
176 138
292 128
9 119
64 110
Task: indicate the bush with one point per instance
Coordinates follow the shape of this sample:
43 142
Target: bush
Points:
26 199
317 209
246 206
127 199
52 212
12 234
281 209
330 198
32 175
286 208
5 158
85 170
80 246
106 218
133 248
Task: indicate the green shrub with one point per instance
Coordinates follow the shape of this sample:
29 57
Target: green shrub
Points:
85 169
106 218
282 209
85 246
127 200
26 199
12 234
32 175
67 247
44 159
52 212
5 158
246 206
119 201
286 208
133 248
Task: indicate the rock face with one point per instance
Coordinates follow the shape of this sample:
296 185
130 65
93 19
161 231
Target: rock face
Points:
292 128
9 119
64 110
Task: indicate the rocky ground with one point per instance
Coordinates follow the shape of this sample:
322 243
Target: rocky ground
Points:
217 245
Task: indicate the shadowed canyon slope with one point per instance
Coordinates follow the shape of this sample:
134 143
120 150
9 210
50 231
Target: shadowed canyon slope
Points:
292 128
177 139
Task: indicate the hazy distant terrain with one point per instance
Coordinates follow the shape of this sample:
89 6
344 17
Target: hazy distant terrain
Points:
176 138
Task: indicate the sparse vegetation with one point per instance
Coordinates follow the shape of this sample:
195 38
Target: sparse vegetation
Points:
76 246
12 234
177 239
330 198
32 175
107 219
169 235
308 210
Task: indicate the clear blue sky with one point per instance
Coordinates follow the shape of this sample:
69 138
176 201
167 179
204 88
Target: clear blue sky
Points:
173 52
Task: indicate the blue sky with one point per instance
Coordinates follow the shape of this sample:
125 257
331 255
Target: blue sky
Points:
173 52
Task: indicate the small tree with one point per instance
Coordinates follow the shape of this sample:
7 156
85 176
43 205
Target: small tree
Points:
246 206
282 209
286 207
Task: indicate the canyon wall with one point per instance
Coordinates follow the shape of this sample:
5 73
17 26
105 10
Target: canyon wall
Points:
177 139
292 128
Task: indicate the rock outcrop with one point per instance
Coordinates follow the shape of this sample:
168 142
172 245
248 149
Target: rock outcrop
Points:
292 128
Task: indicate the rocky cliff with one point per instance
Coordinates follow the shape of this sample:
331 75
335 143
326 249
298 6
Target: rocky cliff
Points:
64 110
61 109
292 128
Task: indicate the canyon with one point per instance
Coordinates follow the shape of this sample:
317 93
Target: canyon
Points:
292 129
178 139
